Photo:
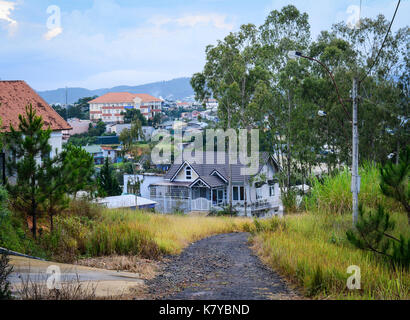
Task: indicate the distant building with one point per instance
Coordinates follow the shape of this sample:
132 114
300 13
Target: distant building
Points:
184 105
145 180
106 140
148 131
120 127
186 115
195 114
109 107
97 153
110 153
78 127
211 104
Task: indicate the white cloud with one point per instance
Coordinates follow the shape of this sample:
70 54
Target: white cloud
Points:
216 20
52 33
6 7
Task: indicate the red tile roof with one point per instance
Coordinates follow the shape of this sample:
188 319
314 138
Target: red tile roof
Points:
147 97
15 96
115 97
124 97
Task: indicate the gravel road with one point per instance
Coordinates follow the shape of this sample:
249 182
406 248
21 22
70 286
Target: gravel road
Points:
221 267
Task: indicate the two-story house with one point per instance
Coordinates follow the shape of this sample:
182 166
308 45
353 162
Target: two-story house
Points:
202 187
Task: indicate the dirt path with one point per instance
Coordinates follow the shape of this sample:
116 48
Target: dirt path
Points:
221 267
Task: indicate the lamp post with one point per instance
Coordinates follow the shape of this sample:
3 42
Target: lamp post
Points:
355 186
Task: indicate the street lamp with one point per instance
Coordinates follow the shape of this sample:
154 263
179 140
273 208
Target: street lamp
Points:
355 186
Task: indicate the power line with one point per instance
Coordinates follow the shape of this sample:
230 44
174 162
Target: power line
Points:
384 41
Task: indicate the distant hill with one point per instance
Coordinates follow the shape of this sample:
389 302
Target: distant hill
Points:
176 89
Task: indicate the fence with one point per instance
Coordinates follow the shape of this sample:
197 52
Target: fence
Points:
171 205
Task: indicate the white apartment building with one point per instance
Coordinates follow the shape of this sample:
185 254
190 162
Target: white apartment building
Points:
109 107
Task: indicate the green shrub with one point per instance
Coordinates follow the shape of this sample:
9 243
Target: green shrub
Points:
289 201
225 211
5 271
12 231
68 240
84 208
269 225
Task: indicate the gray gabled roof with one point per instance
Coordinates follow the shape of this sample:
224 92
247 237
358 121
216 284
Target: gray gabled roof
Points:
205 170
211 181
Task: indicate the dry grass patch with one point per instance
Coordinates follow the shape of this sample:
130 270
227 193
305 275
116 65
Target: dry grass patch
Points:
172 233
312 251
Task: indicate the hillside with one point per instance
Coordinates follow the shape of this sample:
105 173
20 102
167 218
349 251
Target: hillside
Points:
179 89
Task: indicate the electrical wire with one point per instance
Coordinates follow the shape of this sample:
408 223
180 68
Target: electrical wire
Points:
383 43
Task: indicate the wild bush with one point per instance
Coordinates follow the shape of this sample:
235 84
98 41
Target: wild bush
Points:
13 232
224 211
289 200
84 208
5 271
269 225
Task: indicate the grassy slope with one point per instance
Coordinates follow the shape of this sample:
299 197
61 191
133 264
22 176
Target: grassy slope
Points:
311 249
171 233
130 232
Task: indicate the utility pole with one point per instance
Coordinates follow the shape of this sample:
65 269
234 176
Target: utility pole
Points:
66 103
355 188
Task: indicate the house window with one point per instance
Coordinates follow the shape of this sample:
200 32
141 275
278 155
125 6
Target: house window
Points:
271 191
220 196
238 193
242 193
235 193
188 173
258 193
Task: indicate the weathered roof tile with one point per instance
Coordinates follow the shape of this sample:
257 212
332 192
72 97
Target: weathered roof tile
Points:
15 96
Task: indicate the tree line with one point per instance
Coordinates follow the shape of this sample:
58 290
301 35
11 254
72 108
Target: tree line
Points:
294 102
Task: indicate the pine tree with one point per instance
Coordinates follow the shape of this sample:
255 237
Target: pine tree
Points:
28 146
53 186
78 169
395 180
107 182
373 233
66 174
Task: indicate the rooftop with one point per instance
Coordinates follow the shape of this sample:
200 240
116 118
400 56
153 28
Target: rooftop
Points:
15 96
124 97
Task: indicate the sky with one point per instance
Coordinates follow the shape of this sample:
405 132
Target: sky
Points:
104 43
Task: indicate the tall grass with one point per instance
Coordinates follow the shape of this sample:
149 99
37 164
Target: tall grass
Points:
312 251
333 194
172 233
132 232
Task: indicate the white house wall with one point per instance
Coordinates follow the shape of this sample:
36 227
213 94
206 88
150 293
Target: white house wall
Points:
56 142
181 175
